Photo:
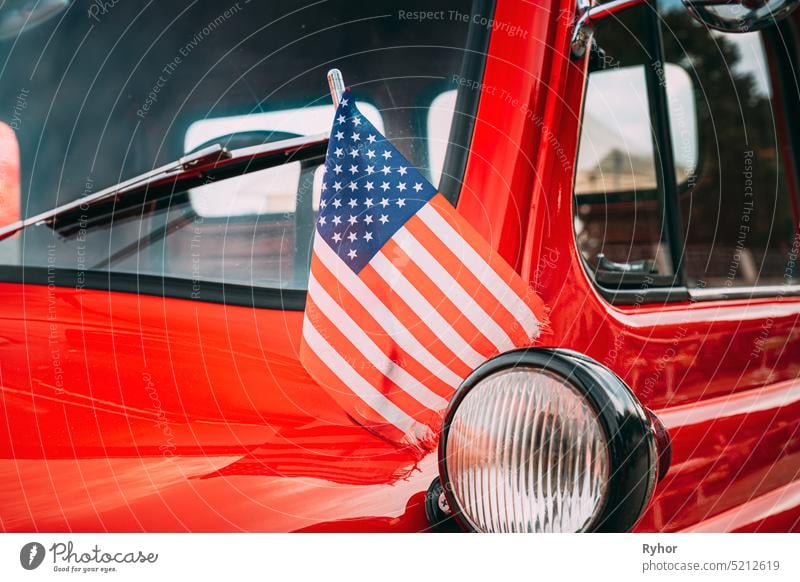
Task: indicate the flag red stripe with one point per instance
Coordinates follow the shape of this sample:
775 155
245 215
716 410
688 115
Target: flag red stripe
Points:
414 323
346 386
377 334
506 274
440 299
453 289
381 314
486 298
375 377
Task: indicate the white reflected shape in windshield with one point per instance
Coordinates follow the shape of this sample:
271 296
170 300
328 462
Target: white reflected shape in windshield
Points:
440 119
300 121
269 191
751 59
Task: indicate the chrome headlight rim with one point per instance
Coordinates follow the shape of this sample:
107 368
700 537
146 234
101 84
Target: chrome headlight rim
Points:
630 436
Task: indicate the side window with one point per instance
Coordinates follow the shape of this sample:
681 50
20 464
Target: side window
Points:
680 162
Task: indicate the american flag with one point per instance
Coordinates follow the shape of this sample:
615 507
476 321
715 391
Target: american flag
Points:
405 298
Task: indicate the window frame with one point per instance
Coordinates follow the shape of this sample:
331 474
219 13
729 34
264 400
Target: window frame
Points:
673 289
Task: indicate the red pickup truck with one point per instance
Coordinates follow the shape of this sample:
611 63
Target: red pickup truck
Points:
636 162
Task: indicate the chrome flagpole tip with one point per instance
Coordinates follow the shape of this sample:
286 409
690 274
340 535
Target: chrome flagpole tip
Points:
336 84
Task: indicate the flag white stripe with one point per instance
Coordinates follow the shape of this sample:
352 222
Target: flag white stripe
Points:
334 312
354 381
485 273
426 312
382 315
453 290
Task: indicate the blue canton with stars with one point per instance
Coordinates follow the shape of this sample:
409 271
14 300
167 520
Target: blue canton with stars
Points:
369 190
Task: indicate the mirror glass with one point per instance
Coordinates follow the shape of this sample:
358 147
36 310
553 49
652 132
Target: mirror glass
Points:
616 149
740 15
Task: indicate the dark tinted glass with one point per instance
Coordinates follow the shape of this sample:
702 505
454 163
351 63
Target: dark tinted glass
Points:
738 218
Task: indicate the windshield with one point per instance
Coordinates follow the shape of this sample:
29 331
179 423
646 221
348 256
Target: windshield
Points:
99 92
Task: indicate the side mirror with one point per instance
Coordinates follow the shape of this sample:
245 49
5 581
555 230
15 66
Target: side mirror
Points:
740 15
724 15
615 155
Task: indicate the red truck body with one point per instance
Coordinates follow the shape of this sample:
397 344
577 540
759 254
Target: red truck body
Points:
124 411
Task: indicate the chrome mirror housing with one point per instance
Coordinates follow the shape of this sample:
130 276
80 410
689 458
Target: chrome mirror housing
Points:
723 15
588 15
740 15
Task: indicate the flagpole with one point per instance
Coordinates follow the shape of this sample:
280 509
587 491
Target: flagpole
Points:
336 84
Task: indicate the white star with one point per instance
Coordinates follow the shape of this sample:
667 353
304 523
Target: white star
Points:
337 237
356 120
386 170
344 102
368 219
338 152
370 170
353 169
322 221
352 254
354 153
324 187
385 186
367 236
352 237
401 202
337 169
337 220
402 170
370 154
368 187
337 203
352 186
384 202
371 138
401 186
339 135
352 203
386 154
368 201
384 219
337 186
352 219
417 187
356 136
323 203
340 119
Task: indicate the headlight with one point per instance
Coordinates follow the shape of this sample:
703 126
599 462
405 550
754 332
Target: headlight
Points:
546 441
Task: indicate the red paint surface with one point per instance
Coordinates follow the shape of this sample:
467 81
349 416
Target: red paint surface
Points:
126 413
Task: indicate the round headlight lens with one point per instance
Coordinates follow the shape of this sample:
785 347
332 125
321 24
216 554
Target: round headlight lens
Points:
526 452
